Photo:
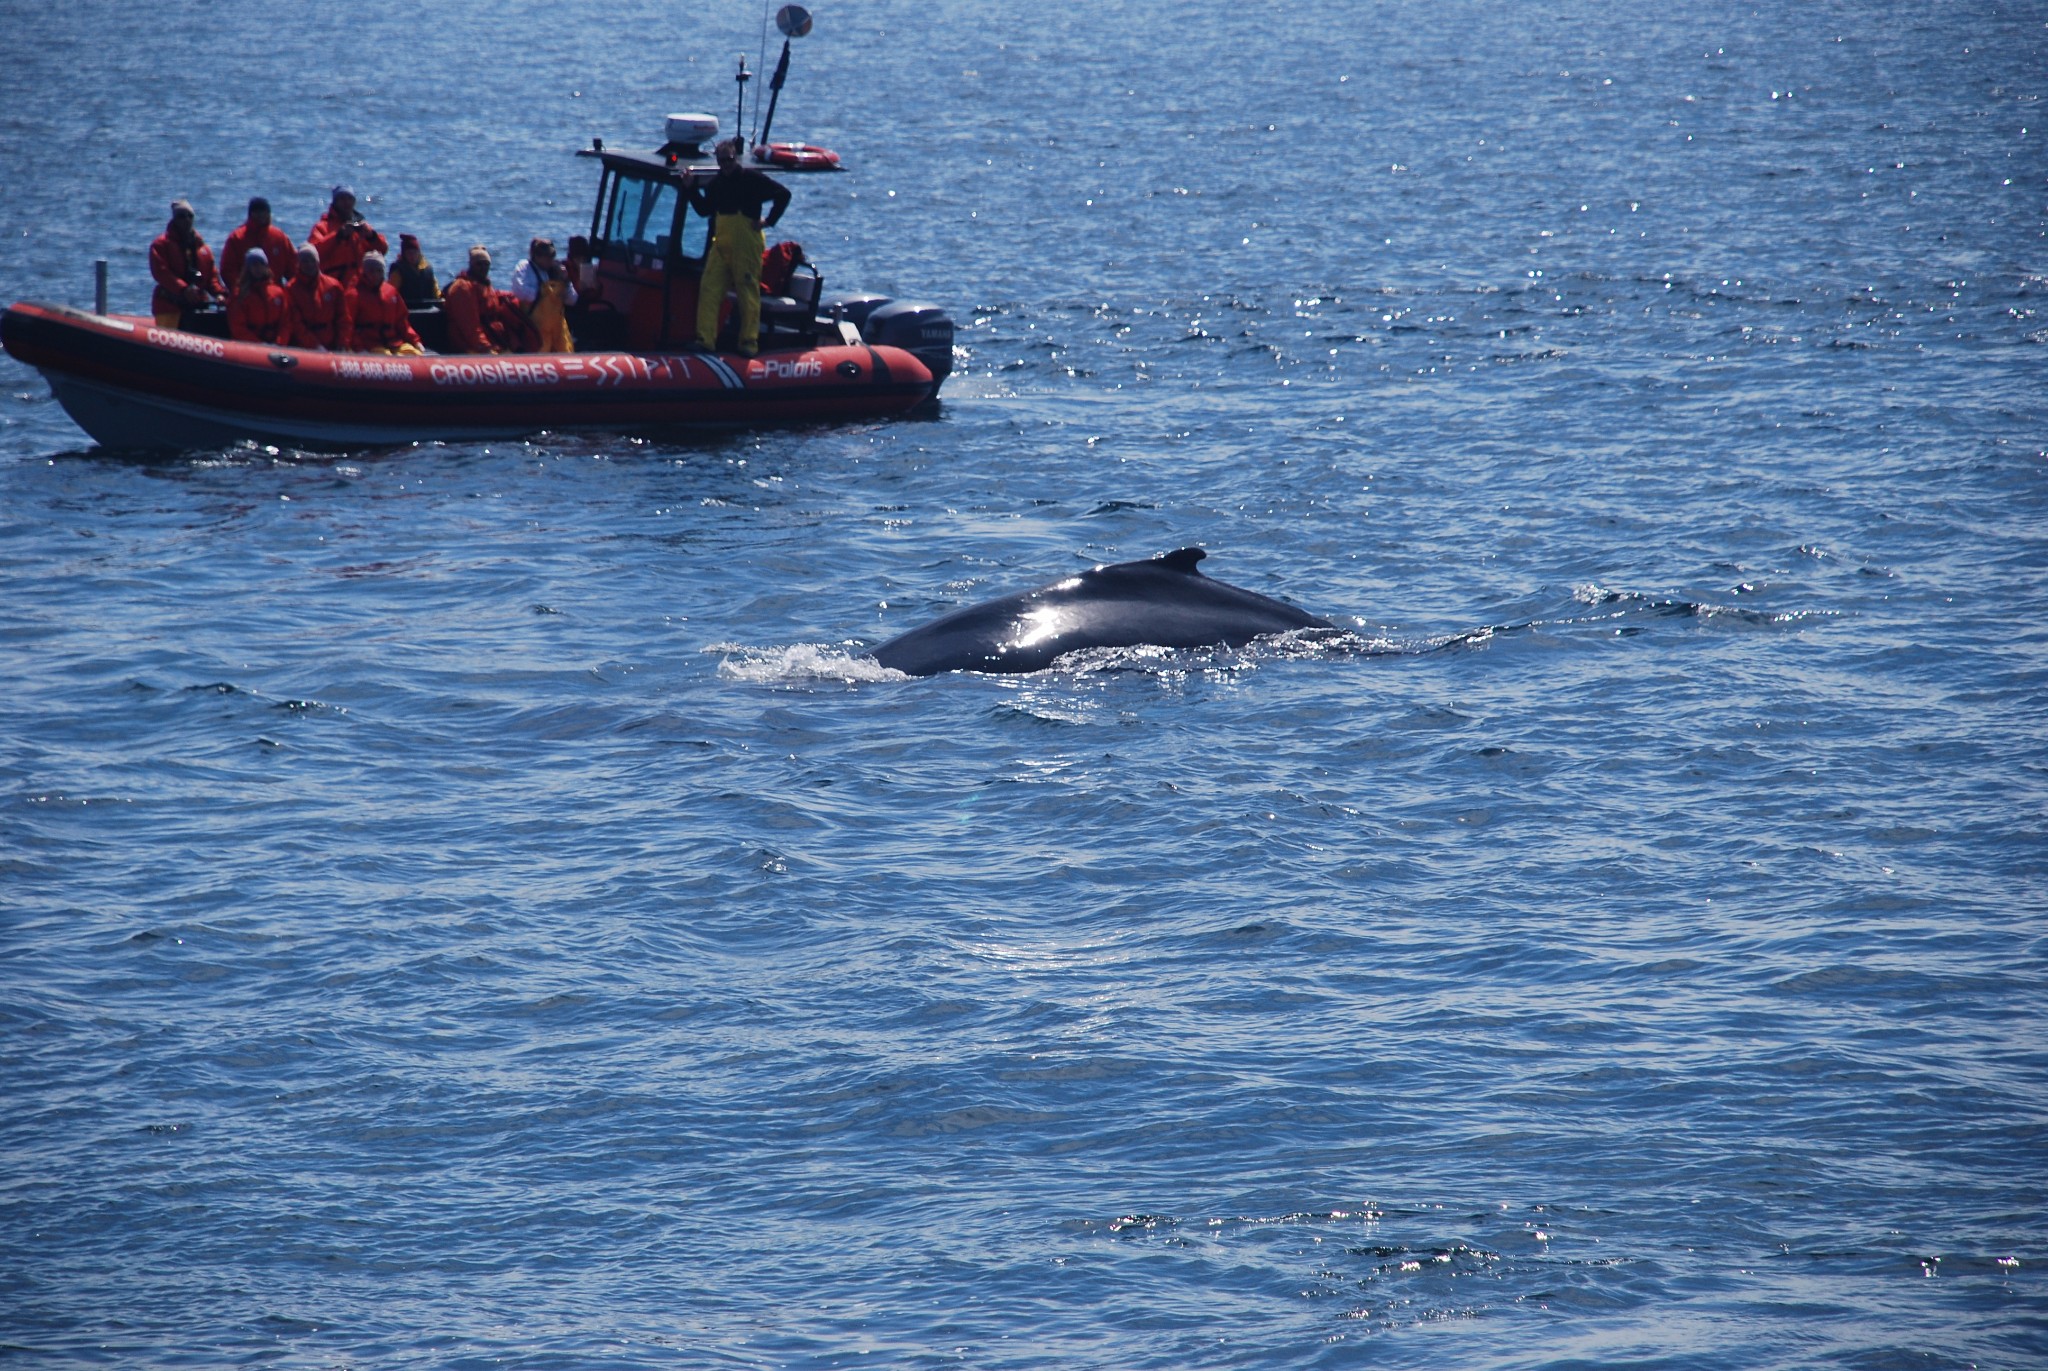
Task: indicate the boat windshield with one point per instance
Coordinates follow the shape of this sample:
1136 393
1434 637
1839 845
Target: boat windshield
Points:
696 235
643 218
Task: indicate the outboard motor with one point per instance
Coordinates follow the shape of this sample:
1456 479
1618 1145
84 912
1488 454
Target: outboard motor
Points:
924 331
855 309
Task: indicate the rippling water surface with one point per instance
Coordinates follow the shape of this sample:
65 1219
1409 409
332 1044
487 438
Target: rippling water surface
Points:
474 906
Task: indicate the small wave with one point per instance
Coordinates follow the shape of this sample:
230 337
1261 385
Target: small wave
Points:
1628 602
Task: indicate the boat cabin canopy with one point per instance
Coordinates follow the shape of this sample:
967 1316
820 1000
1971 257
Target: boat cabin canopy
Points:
649 246
642 215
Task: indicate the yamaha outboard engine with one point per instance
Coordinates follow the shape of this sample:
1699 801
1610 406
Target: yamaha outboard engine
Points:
924 331
855 309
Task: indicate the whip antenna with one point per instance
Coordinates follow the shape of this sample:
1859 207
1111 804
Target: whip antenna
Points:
740 79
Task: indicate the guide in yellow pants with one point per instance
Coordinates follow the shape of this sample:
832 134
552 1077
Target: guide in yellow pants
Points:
734 200
732 262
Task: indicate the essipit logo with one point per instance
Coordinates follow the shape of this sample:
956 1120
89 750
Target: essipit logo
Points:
799 369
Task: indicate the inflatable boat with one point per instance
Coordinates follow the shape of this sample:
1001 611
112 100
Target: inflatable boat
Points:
131 384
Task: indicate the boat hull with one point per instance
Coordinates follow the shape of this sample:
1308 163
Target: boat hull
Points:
130 384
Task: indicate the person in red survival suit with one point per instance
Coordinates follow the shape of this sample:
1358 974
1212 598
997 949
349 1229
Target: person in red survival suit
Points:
257 313
778 264
183 267
465 301
377 318
344 238
508 321
257 232
316 315
482 318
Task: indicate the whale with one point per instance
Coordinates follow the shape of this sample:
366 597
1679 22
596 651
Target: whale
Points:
1163 602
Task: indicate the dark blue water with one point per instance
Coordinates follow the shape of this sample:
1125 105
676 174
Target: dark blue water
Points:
472 906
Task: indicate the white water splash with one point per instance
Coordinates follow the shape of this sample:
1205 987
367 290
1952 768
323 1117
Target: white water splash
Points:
799 663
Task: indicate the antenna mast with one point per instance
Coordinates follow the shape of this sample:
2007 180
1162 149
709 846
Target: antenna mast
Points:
740 79
795 22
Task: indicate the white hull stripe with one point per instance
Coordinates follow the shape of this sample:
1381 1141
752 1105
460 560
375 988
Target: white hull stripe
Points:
723 372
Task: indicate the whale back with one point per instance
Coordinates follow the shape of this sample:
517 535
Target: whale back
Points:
1162 602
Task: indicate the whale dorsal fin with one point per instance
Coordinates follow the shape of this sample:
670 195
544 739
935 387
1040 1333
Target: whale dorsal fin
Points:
1181 559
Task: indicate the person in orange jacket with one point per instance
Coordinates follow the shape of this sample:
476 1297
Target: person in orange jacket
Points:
482 318
316 314
377 318
344 238
257 313
182 266
466 301
257 232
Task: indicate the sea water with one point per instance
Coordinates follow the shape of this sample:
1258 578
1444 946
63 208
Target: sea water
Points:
474 905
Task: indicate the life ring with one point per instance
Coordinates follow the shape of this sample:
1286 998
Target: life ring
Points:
796 156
